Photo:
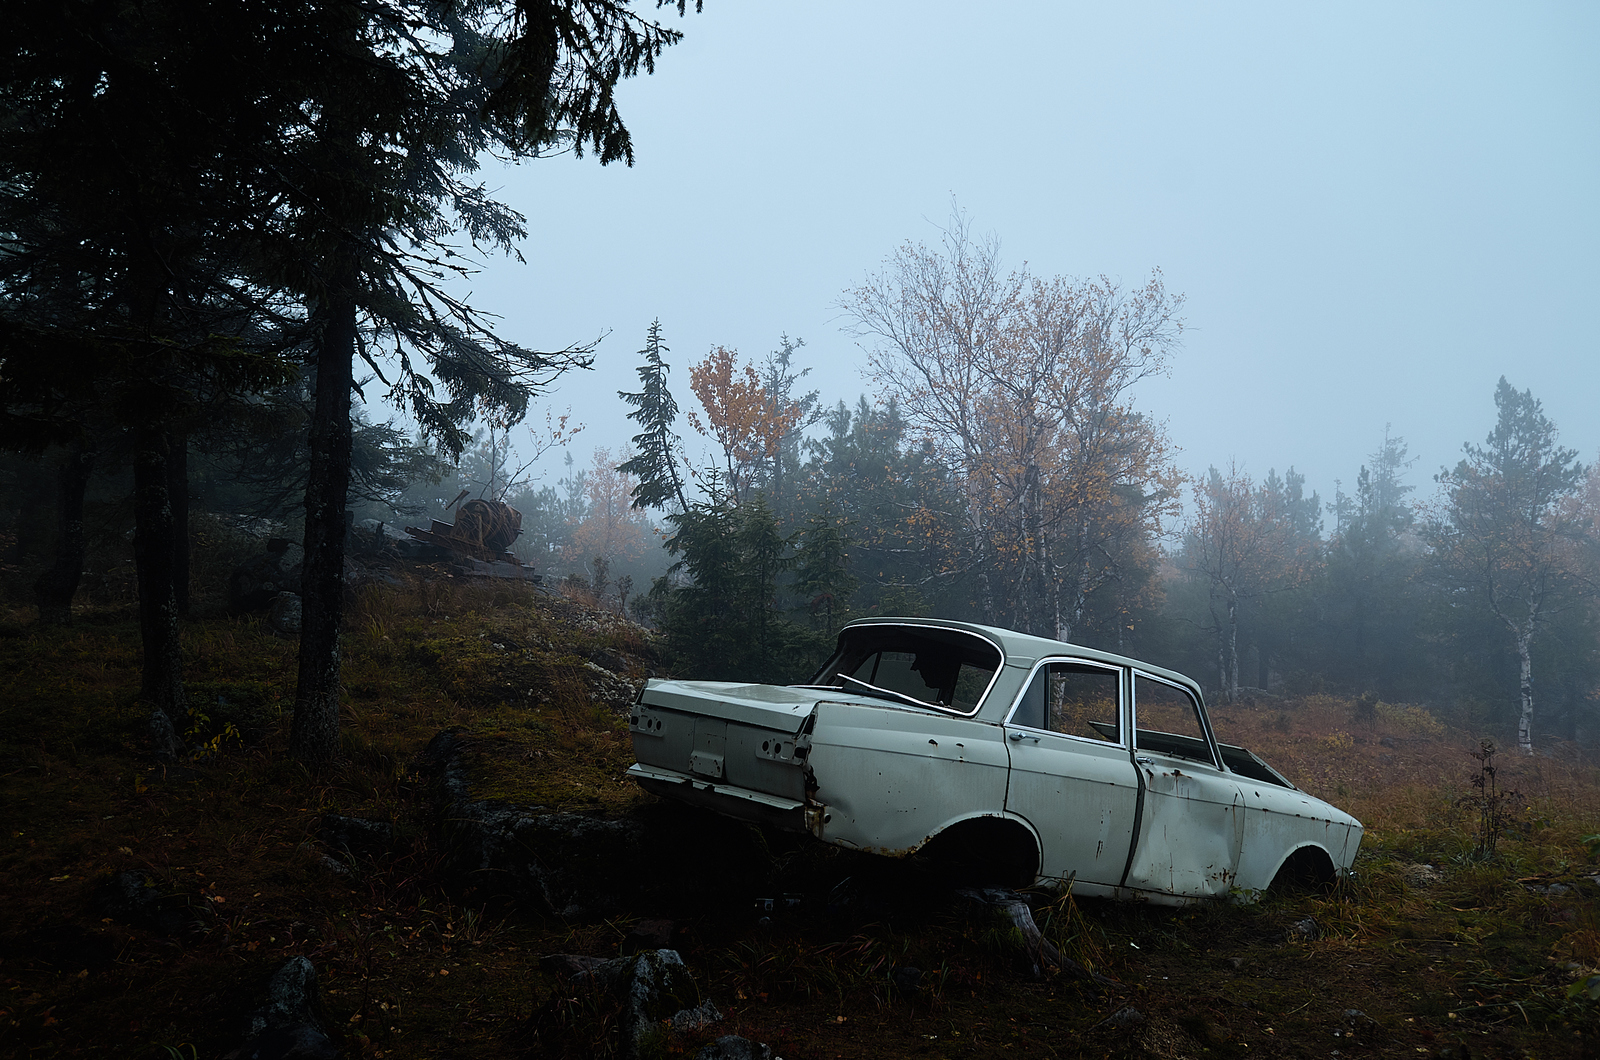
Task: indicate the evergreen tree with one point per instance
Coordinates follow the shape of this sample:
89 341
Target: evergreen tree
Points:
129 215
719 604
823 581
1371 594
1507 540
656 464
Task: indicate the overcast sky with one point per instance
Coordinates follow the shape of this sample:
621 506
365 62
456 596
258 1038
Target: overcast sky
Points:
1373 210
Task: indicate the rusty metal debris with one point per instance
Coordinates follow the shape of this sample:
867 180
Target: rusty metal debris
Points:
483 530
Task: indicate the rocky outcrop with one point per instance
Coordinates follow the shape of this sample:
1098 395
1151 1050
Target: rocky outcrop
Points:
583 865
567 864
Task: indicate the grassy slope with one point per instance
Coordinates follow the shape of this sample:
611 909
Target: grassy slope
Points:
413 966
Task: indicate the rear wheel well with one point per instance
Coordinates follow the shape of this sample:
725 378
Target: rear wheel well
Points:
1306 869
985 850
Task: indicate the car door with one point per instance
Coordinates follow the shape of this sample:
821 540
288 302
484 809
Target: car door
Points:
1192 823
1072 776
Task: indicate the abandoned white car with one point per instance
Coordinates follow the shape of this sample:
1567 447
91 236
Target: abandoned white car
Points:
1036 760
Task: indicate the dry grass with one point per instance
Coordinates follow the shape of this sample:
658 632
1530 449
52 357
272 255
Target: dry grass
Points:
1399 769
1467 952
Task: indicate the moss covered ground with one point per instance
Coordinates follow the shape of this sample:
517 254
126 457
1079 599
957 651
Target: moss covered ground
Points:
1434 949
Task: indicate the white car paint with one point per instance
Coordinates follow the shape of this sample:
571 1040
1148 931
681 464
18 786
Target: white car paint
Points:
1164 817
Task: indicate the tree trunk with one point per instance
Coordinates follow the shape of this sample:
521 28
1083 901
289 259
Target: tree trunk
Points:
1233 649
178 498
55 588
980 551
314 736
162 686
1525 686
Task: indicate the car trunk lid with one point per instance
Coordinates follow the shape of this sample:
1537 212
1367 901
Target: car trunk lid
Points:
734 746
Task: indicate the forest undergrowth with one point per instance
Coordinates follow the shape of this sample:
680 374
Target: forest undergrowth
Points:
1437 946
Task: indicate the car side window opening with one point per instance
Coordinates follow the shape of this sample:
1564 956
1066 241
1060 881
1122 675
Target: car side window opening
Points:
1167 720
1074 699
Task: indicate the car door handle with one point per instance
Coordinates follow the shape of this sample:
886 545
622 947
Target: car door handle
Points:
1018 737
1142 760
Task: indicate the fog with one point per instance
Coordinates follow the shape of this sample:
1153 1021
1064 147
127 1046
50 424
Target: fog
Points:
1372 213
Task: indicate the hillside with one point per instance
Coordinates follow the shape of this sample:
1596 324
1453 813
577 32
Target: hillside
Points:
421 952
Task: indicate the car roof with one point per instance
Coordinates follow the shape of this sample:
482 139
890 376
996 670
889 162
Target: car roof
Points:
1024 649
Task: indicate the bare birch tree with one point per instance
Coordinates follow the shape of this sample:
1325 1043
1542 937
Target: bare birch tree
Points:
1243 543
1022 387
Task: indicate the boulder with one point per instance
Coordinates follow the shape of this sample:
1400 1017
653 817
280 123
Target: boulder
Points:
648 935
658 996
254 584
283 616
288 1025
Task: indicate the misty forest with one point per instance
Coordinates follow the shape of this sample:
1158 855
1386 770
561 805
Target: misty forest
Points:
246 709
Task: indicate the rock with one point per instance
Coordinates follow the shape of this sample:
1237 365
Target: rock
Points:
1302 931
1127 1016
283 616
580 865
288 1025
648 935
658 996
292 997
607 660
357 835
733 1047
164 742
566 864
254 584
1554 890
130 898
569 965
1422 875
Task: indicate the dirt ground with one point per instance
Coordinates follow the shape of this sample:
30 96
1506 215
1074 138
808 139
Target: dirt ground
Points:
1435 948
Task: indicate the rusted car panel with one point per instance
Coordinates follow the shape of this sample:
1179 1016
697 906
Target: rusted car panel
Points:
1056 761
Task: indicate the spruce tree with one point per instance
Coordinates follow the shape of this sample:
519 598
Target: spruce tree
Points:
655 464
1507 537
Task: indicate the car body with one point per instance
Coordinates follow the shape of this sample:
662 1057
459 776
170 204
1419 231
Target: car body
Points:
999 750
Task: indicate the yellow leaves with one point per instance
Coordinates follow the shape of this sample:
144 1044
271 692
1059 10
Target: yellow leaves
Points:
613 528
743 417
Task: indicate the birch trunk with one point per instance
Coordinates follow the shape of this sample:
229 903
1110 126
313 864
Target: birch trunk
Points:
1525 686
